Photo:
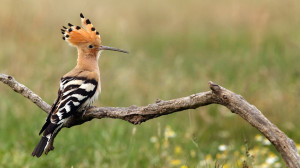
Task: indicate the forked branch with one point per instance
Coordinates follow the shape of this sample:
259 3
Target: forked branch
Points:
136 115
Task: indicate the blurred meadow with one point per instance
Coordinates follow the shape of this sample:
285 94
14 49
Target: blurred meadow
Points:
176 47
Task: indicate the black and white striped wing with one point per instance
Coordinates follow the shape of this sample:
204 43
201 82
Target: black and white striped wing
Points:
54 106
76 94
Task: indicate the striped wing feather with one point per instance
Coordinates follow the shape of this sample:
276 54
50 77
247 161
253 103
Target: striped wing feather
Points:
75 94
54 106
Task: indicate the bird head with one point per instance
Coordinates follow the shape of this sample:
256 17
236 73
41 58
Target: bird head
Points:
85 38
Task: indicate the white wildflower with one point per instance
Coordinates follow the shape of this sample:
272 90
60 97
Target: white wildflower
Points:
222 147
272 158
169 133
153 139
266 142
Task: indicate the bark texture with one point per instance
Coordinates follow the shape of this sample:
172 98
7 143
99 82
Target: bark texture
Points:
136 115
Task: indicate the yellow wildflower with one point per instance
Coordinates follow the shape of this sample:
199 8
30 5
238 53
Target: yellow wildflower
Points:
259 138
256 150
239 163
264 165
183 166
175 162
208 157
298 147
193 153
221 156
236 153
177 149
226 165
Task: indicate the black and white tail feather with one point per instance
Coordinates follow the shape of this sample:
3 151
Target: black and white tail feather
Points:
75 94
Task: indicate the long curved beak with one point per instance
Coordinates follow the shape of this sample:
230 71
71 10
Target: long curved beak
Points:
102 47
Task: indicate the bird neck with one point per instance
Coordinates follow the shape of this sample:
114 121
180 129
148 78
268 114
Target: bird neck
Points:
87 61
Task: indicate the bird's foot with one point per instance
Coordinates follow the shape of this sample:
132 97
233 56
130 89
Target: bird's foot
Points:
49 148
83 113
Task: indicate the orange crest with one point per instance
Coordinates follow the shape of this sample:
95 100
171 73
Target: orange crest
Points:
76 35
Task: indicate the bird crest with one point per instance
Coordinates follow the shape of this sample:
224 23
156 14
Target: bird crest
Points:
76 35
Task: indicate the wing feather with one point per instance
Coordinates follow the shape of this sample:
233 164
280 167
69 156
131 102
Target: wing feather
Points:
76 92
73 95
58 99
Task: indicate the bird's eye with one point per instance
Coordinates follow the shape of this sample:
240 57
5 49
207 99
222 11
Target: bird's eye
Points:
91 46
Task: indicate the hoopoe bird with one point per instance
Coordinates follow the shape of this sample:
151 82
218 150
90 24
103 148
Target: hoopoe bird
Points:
80 87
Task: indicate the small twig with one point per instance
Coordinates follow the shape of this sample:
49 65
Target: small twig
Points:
23 90
136 115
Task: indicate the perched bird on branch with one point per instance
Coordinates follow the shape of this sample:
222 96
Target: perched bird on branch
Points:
80 87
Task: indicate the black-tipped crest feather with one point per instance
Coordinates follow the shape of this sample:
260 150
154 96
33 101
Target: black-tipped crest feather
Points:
81 15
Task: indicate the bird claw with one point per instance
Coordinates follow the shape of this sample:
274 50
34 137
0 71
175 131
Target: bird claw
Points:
49 148
83 113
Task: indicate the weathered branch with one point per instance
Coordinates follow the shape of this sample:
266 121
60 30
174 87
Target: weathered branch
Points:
136 115
23 90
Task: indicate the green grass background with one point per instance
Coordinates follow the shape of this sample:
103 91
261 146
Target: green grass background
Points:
176 47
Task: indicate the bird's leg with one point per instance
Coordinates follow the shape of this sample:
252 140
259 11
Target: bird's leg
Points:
83 113
49 146
51 141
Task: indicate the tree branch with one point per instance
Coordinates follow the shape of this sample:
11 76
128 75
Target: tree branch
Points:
136 115
23 90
